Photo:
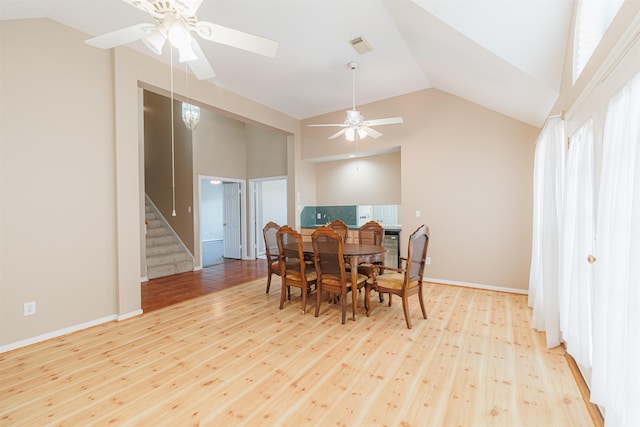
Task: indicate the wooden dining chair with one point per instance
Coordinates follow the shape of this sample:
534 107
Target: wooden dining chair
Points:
330 268
339 227
406 280
371 233
271 248
294 270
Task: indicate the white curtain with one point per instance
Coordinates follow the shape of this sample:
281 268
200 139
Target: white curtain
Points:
548 176
616 309
575 283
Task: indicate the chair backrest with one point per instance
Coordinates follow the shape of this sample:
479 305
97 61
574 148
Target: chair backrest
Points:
417 254
339 227
270 242
329 257
290 253
371 233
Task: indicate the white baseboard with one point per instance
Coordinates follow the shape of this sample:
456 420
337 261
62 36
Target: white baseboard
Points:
69 330
478 286
197 268
55 334
144 279
129 315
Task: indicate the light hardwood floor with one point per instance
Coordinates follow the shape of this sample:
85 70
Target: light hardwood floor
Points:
233 358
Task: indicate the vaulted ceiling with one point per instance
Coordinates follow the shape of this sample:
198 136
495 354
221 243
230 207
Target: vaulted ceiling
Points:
506 55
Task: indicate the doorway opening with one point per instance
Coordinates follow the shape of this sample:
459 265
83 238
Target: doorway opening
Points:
268 202
221 226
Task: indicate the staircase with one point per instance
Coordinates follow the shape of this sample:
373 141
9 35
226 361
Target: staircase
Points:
165 254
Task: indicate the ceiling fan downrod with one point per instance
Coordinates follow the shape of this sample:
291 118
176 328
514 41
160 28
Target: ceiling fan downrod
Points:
353 66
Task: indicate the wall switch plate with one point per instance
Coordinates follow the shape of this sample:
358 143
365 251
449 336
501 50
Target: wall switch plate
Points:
29 308
428 261
418 214
318 216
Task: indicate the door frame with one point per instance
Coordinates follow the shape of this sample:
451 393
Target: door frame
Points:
255 230
243 215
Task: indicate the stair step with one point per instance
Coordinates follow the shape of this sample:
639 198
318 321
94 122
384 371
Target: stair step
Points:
169 269
159 240
157 232
168 258
163 249
149 215
153 223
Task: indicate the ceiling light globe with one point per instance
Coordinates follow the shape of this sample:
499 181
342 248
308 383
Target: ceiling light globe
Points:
350 134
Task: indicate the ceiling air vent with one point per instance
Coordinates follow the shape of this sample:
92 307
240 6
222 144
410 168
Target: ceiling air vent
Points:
361 45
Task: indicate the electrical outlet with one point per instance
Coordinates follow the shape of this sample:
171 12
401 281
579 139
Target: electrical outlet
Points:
29 308
428 260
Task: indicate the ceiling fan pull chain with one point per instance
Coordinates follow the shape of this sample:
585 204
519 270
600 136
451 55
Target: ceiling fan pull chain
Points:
173 151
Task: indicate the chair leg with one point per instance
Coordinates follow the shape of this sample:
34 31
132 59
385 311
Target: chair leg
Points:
304 299
318 298
343 303
424 312
367 302
283 294
405 308
269 282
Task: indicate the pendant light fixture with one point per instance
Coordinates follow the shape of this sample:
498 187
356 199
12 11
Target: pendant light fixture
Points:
190 112
190 115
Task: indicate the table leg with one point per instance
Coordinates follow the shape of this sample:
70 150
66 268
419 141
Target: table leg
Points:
354 283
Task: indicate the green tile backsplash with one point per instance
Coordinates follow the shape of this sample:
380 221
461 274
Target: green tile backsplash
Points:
309 215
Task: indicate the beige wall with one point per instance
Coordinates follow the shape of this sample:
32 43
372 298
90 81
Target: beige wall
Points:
467 169
158 178
364 181
266 152
57 244
76 156
219 147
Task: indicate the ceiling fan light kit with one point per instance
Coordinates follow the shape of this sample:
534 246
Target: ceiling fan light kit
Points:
355 123
174 21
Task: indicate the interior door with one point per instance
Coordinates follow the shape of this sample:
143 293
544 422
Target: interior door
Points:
231 220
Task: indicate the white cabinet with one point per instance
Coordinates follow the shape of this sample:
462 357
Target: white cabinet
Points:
386 215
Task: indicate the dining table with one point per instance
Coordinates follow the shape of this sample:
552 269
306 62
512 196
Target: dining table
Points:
352 252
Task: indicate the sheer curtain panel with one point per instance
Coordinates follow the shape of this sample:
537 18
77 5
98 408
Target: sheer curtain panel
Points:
616 309
575 285
548 173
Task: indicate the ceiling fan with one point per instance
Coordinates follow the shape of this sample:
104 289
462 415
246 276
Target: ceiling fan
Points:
355 123
174 21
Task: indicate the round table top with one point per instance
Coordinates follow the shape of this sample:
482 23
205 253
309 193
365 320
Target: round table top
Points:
351 249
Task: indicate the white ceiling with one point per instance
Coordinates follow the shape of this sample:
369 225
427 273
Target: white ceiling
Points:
506 55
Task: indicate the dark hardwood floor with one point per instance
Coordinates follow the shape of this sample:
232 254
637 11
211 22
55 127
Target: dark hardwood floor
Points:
166 291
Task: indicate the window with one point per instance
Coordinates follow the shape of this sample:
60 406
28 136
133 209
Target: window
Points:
592 20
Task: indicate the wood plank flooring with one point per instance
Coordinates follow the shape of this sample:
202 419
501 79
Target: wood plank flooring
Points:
165 291
231 357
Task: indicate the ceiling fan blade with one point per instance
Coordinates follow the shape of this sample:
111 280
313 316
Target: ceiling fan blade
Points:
387 121
143 5
329 124
235 38
337 134
122 36
200 67
371 132
191 6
